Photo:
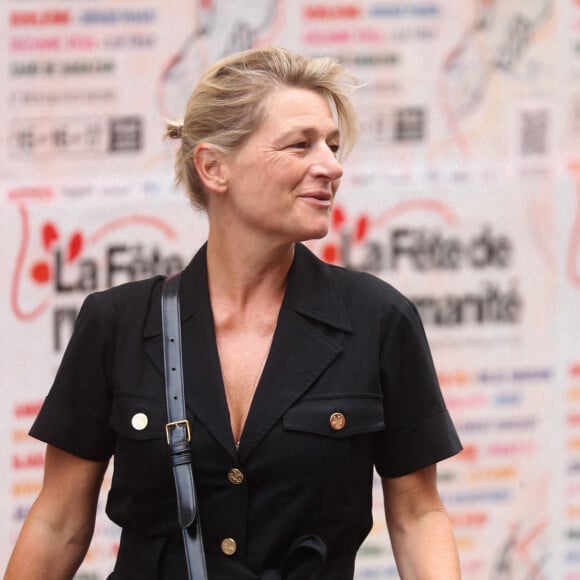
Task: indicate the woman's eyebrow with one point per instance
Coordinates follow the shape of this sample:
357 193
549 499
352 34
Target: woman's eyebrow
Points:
307 131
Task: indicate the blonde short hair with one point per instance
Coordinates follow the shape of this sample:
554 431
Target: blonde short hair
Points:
225 107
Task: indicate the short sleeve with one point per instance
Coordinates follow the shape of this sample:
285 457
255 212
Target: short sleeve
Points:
75 415
418 428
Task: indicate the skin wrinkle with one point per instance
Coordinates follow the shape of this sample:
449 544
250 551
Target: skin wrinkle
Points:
273 171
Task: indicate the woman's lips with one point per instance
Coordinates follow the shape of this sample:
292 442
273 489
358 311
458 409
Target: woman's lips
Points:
323 198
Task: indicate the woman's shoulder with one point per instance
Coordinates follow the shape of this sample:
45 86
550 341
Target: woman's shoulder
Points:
359 291
374 302
363 287
129 300
129 291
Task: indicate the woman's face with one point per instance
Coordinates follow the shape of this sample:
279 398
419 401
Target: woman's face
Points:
282 181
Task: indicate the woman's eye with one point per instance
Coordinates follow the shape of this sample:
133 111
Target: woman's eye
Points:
299 145
334 148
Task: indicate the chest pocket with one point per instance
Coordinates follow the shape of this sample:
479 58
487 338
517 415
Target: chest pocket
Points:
141 493
337 416
329 449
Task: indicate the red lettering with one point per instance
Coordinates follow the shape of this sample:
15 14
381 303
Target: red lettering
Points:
468 519
29 409
31 460
339 12
40 18
31 193
21 44
469 453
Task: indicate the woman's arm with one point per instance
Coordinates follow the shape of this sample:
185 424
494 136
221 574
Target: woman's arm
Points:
58 529
420 530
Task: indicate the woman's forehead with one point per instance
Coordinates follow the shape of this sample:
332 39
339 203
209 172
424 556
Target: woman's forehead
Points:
297 109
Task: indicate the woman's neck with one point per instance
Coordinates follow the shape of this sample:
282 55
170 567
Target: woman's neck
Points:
242 274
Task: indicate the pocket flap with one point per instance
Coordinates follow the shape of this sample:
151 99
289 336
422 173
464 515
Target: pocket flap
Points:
138 417
337 415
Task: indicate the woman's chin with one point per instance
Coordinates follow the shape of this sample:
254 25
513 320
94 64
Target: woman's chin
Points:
314 233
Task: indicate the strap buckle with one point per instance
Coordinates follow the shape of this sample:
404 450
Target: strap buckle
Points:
174 424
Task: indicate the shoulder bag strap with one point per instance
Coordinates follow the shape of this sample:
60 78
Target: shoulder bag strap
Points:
178 432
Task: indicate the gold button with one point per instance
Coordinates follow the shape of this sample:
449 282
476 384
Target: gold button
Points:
235 476
229 546
337 421
139 421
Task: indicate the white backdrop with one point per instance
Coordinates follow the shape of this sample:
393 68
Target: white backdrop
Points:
464 192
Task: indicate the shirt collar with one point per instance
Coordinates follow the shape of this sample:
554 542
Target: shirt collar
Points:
311 291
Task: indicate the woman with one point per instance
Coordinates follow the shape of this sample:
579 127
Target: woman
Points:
300 377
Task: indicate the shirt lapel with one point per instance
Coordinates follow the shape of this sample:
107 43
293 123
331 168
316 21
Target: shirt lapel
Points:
204 393
300 350
299 354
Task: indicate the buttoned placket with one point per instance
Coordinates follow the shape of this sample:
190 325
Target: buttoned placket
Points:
233 542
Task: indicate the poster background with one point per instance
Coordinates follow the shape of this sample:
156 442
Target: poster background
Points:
463 192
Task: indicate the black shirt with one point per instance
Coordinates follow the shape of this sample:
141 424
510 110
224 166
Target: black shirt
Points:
349 384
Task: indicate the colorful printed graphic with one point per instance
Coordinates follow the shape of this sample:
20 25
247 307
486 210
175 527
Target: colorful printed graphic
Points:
463 192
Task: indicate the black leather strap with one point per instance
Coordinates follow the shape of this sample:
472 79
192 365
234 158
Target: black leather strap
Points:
178 432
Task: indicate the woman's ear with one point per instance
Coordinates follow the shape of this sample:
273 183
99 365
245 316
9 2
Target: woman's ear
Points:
211 167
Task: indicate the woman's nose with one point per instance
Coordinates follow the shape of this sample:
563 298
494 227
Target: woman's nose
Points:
327 165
